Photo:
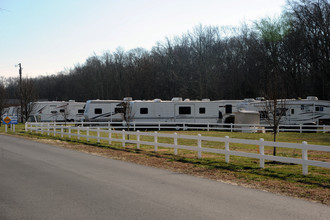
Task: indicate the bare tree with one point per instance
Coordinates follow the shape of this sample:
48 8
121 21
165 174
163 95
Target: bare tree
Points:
28 97
127 113
65 112
272 32
274 110
2 98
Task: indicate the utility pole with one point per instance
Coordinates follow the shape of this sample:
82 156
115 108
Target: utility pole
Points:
20 89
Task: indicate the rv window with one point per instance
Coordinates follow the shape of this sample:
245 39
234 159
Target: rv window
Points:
53 112
184 110
143 111
281 111
319 108
62 110
98 111
201 110
263 114
229 109
292 111
80 111
302 107
119 110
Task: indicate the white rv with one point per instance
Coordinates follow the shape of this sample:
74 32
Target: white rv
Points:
102 110
179 110
295 111
57 111
157 110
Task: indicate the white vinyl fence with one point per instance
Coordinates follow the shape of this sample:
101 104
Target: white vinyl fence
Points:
262 128
112 135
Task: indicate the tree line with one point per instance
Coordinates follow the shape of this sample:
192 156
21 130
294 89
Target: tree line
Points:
288 55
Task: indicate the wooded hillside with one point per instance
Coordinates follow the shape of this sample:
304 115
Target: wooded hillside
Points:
289 54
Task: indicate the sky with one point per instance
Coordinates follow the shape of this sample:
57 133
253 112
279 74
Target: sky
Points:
50 36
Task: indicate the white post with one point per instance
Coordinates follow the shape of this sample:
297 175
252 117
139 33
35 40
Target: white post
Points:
262 152
26 125
48 129
109 134
6 128
13 127
123 136
231 127
175 143
304 157
78 132
300 128
138 139
227 149
323 128
54 129
208 126
199 146
87 134
156 141
98 135
70 132
62 131
158 125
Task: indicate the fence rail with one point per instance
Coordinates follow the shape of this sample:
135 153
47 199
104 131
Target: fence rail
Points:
262 128
108 135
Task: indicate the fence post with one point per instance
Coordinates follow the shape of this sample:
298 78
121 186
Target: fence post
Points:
6 128
54 129
124 135
78 132
156 140
98 135
109 135
61 131
304 157
48 129
134 126
208 126
69 132
262 152
27 124
159 126
138 139
323 128
231 127
175 143
300 128
199 146
87 134
227 149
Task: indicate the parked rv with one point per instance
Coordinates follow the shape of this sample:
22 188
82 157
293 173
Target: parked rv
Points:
179 110
102 110
57 111
294 111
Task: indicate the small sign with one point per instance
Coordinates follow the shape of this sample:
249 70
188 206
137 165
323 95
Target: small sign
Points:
10 120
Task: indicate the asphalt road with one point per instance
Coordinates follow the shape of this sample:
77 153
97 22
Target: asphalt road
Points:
40 181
